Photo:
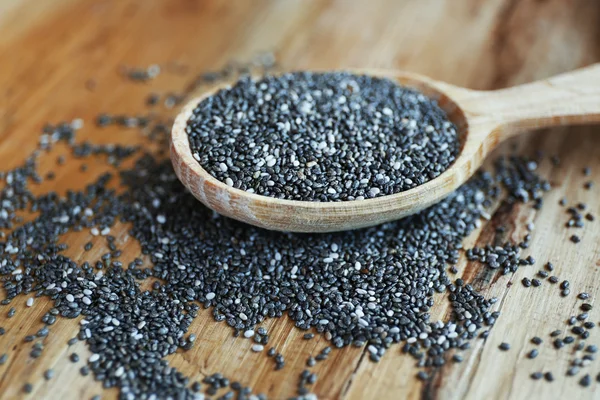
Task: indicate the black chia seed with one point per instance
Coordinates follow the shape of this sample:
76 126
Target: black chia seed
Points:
568 339
504 346
457 358
422 376
575 239
537 340
586 380
533 353
322 136
536 376
48 374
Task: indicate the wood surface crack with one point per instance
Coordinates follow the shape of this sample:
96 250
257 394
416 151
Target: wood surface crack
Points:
346 388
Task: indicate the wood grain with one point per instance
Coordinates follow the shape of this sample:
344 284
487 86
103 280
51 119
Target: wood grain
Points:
64 64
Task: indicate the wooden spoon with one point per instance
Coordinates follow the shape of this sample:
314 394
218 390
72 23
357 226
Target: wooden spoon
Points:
484 119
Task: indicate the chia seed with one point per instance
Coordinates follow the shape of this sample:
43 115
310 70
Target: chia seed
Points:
586 380
568 339
575 239
504 346
533 353
422 376
536 340
536 376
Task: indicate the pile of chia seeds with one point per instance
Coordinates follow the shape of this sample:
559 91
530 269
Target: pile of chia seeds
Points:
322 136
370 288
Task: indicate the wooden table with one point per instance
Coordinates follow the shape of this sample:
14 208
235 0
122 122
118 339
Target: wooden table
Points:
59 60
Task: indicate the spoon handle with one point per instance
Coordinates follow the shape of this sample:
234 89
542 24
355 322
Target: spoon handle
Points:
566 99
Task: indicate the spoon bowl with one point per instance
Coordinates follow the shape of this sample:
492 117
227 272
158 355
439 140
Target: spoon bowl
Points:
483 119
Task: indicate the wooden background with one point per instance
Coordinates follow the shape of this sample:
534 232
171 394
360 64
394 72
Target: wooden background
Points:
59 60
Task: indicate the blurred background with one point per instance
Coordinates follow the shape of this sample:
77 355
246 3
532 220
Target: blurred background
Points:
67 59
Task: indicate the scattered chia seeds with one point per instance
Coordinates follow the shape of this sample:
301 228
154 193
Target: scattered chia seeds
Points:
322 136
372 287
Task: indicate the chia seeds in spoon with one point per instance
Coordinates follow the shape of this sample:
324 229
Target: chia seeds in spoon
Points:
322 136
